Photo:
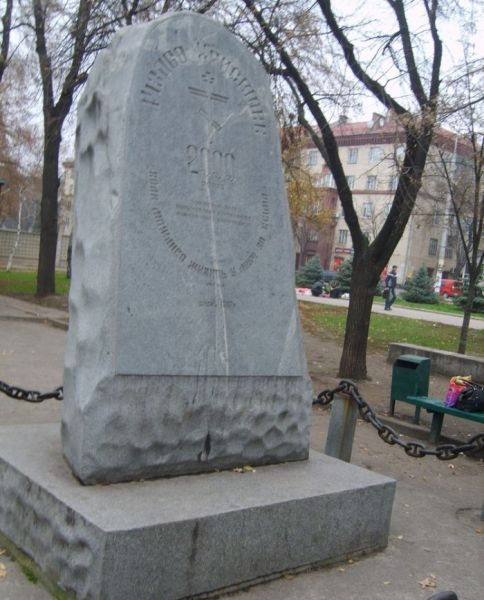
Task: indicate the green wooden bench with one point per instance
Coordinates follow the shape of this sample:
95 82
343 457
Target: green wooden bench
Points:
438 410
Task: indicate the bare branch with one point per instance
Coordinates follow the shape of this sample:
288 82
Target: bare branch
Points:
371 84
6 28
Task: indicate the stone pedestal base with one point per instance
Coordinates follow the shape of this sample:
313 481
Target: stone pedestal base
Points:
185 536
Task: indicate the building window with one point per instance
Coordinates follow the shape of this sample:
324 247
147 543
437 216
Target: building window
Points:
342 236
399 154
313 235
328 181
436 217
351 181
393 183
352 156
448 252
312 158
367 210
376 154
433 247
371 182
318 180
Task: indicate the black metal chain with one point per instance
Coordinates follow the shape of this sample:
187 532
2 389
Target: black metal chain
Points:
30 395
389 435
347 387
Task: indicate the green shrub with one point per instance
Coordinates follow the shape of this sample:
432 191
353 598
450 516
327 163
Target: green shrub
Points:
344 275
477 304
310 273
420 288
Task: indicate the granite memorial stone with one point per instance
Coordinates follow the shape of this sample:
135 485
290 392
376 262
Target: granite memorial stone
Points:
184 352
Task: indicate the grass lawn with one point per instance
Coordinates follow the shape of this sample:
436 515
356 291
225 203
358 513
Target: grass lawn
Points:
19 283
443 306
321 318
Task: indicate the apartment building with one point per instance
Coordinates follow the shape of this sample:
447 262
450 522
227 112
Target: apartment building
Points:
371 153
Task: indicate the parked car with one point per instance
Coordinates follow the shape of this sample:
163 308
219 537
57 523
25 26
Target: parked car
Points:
450 288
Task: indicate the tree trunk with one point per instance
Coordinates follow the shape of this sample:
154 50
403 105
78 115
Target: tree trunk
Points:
464 331
363 285
48 212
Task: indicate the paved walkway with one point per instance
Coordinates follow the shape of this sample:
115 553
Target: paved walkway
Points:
436 539
400 311
14 309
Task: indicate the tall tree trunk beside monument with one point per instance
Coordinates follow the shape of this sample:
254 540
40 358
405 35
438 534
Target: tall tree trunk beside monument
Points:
415 123
48 209
5 44
54 117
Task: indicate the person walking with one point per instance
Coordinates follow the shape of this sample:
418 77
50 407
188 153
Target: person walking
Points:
390 287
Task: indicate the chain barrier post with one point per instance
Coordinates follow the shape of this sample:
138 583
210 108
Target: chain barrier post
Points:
341 431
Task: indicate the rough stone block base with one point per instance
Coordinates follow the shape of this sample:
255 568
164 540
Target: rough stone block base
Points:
184 536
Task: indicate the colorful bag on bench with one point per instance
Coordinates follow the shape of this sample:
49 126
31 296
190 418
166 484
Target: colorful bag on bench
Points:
457 384
472 398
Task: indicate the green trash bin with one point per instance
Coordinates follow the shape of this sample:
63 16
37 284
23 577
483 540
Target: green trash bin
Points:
410 377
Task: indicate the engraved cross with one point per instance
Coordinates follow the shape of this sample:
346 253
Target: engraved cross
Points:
213 97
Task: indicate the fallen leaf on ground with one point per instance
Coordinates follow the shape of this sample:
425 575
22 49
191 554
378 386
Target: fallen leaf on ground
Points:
428 582
3 570
479 530
244 469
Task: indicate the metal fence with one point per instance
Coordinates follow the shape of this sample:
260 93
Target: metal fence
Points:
26 252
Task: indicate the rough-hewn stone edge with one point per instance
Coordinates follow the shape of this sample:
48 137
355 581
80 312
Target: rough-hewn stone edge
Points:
27 565
445 363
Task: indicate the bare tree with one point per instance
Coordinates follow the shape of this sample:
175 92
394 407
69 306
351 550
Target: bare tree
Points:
19 147
400 47
464 182
6 29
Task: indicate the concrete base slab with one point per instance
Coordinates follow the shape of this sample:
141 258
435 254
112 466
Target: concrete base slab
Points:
185 536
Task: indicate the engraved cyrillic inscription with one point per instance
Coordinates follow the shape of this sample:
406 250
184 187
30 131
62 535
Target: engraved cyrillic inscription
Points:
265 211
156 78
217 303
154 192
207 271
209 54
220 213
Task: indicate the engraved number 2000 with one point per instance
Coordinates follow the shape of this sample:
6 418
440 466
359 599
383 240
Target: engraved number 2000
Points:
213 162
